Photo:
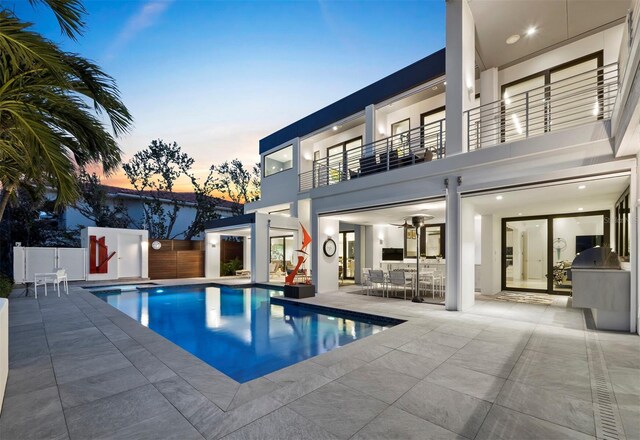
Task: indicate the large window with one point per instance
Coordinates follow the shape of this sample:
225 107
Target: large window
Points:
431 241
553 99
342 158
278 161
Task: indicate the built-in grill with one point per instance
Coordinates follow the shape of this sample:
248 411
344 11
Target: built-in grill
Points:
596 258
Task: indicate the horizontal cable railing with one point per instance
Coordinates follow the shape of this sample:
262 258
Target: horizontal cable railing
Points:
585 97
421 144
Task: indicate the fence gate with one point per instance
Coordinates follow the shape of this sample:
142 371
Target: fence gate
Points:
28 261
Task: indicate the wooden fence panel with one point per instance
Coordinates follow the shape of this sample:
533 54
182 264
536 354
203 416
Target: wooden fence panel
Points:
190 264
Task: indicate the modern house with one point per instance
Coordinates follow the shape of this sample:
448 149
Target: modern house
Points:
517 147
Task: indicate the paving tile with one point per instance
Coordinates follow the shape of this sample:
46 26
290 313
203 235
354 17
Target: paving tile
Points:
476 384
281 424
496 364
394 424
407 363
149 365
214 385
105 416
445 339
252 390
548 405
243 415
203 414
290 391
167 426
34 415
75 340
25 348
428 349
30 374
449 409
503 423
338 409
73 366
96 387
379 382
342 367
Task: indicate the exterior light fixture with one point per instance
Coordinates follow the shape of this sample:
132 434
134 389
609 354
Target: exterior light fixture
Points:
580 209
513 39
498 197
532 30
335 128
582 186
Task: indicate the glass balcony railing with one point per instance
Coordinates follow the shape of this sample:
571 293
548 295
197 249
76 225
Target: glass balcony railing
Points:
579 99
421 144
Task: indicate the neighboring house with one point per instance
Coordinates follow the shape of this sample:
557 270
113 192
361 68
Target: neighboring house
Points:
72 218
518 146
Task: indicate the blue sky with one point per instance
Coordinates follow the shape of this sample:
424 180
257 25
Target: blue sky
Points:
217 76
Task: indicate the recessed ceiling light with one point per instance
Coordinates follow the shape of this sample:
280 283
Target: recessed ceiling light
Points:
580 209
335 127
445 83
498 197
532 30
537 226
582 186
513 39
519 213
434 88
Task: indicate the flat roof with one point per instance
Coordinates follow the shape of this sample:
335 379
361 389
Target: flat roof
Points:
424 70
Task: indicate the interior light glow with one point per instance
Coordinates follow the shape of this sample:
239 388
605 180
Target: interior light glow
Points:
513 39
596 109
516 122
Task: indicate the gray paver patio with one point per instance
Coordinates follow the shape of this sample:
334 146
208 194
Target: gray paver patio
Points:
81 369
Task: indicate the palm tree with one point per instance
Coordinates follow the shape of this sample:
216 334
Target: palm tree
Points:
50 104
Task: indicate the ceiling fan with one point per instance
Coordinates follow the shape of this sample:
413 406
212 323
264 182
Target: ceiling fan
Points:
416 221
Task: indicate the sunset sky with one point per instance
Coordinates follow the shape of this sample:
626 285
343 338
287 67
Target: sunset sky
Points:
217 76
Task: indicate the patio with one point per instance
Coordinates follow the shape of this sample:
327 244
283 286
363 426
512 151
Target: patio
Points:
81 369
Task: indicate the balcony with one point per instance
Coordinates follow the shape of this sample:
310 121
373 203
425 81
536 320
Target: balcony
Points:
421 144
579 99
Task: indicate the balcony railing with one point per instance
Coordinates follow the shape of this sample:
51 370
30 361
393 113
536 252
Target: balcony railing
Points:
421 144
576 100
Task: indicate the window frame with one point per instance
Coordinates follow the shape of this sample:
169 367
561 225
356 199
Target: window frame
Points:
264 161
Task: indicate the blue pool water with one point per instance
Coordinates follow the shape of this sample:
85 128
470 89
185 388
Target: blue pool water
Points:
238 330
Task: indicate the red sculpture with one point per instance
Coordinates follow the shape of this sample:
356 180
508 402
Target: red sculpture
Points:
98 255
306 241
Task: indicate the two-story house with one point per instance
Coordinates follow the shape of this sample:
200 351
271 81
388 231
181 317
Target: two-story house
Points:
513 150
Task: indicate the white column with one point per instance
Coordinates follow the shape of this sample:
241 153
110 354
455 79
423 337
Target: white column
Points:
260 249
490 114
212 255
460 245
369 124
326 268
491 255
246 254
467 256
634 235
460 62
452 243
379 234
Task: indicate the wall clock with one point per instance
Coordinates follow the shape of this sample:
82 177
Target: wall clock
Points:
156 245
329 247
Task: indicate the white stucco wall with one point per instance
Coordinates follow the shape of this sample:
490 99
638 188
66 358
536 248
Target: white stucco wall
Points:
114 240
4 347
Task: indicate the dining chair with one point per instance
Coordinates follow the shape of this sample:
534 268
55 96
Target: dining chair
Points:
398 278
377 277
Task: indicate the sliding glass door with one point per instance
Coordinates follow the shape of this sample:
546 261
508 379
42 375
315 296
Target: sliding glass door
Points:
526 254
537 252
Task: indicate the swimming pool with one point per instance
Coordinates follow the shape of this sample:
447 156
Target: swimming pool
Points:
239 331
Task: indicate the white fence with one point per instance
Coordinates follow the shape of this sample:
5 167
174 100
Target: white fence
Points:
28 261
